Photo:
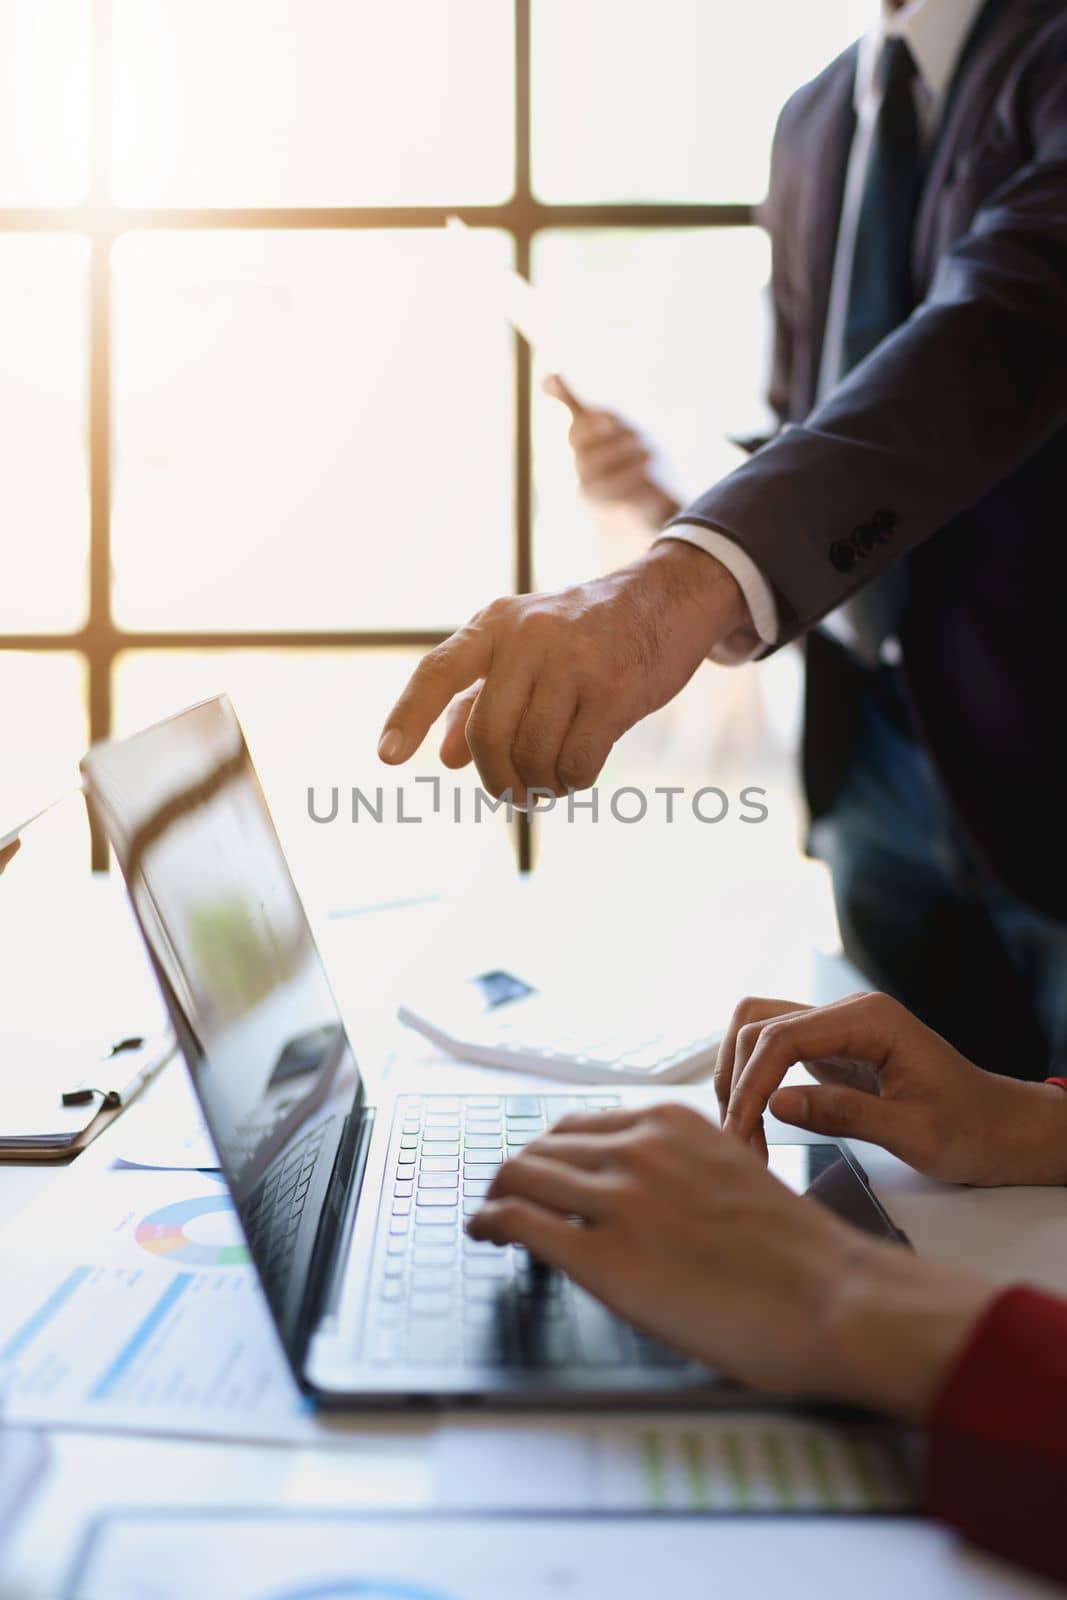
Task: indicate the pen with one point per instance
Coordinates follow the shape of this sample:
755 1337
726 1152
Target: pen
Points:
113 1099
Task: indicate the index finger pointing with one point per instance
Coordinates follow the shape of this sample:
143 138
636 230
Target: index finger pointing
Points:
443 672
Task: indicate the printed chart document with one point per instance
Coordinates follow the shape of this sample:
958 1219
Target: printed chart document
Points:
161 1556
727 1462
130 1302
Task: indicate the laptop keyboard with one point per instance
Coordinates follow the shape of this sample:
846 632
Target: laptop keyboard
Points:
440 1298
271 1219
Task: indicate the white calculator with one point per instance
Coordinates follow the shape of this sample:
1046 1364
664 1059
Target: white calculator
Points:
498 1020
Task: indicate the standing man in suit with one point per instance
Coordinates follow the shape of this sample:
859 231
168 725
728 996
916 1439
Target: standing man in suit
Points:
907 521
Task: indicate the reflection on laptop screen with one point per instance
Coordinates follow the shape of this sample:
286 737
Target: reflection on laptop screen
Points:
257 1021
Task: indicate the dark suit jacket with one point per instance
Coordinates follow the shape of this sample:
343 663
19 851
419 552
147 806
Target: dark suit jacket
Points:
946 449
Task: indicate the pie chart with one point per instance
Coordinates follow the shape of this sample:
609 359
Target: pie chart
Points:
172 1232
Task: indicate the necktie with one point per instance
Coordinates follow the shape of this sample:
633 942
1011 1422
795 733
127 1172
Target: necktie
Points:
881 294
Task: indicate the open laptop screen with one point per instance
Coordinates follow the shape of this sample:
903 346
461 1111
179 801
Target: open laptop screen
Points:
257 1021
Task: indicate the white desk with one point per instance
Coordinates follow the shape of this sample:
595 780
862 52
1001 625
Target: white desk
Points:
1008 1234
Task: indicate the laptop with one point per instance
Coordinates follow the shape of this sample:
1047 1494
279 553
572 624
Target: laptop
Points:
354 1214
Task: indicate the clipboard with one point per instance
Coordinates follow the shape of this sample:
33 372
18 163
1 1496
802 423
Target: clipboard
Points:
58 1123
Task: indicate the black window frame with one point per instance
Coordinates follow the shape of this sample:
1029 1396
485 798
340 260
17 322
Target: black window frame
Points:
100 641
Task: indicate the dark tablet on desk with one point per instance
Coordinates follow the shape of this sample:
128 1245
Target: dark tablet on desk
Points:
831 1174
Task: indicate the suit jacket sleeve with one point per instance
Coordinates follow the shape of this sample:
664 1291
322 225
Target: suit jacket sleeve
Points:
997 1464
948 405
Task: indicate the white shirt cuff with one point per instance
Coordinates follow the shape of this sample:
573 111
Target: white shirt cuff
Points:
748 577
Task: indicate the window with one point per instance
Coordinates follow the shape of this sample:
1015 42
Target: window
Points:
259 430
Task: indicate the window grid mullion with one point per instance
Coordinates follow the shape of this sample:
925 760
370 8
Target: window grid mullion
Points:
100 641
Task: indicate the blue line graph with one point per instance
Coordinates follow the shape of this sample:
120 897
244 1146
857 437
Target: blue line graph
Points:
44 1313
101 1390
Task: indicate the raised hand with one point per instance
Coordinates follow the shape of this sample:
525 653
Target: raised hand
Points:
614 461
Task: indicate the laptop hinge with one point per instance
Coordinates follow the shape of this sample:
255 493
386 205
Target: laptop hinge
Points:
342 1193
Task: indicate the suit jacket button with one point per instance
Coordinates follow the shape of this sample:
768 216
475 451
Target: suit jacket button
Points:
842 555
865 537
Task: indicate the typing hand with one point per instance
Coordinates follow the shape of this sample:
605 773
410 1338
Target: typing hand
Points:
564 675
8 852
684 1233
885 1077
613 460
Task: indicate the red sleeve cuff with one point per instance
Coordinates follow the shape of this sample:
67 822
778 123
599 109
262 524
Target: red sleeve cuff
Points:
1061 1083
998 1433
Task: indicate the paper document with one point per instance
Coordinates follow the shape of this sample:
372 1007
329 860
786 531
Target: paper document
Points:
733 1462
130 1303
165 1128
510 295
12 834
280 1556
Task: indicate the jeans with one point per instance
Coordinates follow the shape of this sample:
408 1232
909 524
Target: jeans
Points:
925 921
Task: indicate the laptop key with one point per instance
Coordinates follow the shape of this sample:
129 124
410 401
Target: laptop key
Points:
523 1105
476 1189
561 1105
403 1189
433 1255
440 1147
480 1169
431 1222
433 1277
438 1180
482 1141
439 1164
435 1226
437 1197
429 1304
480 1292
496 1267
